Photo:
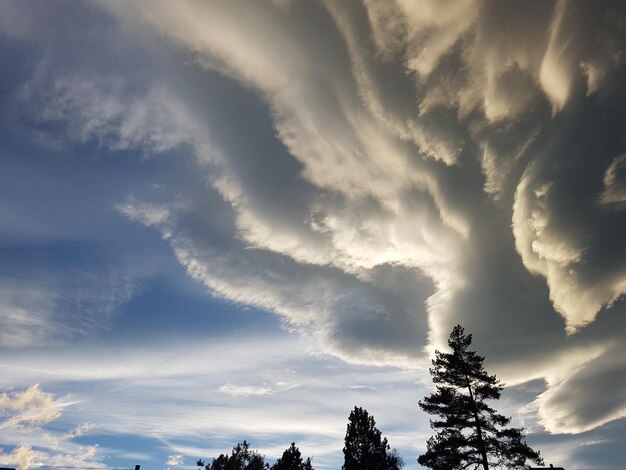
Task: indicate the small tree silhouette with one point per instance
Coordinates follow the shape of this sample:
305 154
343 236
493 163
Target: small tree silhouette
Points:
470 434
292 460
240 458
365 448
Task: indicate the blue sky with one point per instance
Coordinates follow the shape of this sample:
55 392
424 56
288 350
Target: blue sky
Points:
238 220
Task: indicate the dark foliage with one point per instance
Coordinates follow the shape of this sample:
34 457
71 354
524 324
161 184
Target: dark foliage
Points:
469 433
240 458
365 449
292 460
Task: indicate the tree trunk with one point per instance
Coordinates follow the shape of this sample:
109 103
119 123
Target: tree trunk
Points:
481 443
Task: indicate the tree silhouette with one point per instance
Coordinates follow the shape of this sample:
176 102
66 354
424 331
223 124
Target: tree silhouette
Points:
470 434
240 458
292 460
365 449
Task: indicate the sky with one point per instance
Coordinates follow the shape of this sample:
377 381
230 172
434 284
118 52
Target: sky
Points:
238 220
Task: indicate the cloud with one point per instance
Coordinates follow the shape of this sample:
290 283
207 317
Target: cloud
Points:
614 192
314 393
25 415
25 457
102 110
571 404
381 190
22 456
24 319
81 430
558 237
146 214
46 306
244 390
174 460
31 407
196 371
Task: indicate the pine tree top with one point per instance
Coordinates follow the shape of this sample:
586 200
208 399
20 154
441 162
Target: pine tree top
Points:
462 367
469 433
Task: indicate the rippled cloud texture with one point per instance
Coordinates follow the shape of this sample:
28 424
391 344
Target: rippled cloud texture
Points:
371 173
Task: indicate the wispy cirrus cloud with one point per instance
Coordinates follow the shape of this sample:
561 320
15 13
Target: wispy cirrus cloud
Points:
228 385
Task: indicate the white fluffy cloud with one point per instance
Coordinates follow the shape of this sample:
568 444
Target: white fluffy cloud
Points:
571 404
31 407
25 415
175 460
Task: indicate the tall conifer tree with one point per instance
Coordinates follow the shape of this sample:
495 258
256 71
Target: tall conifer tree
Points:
469 433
